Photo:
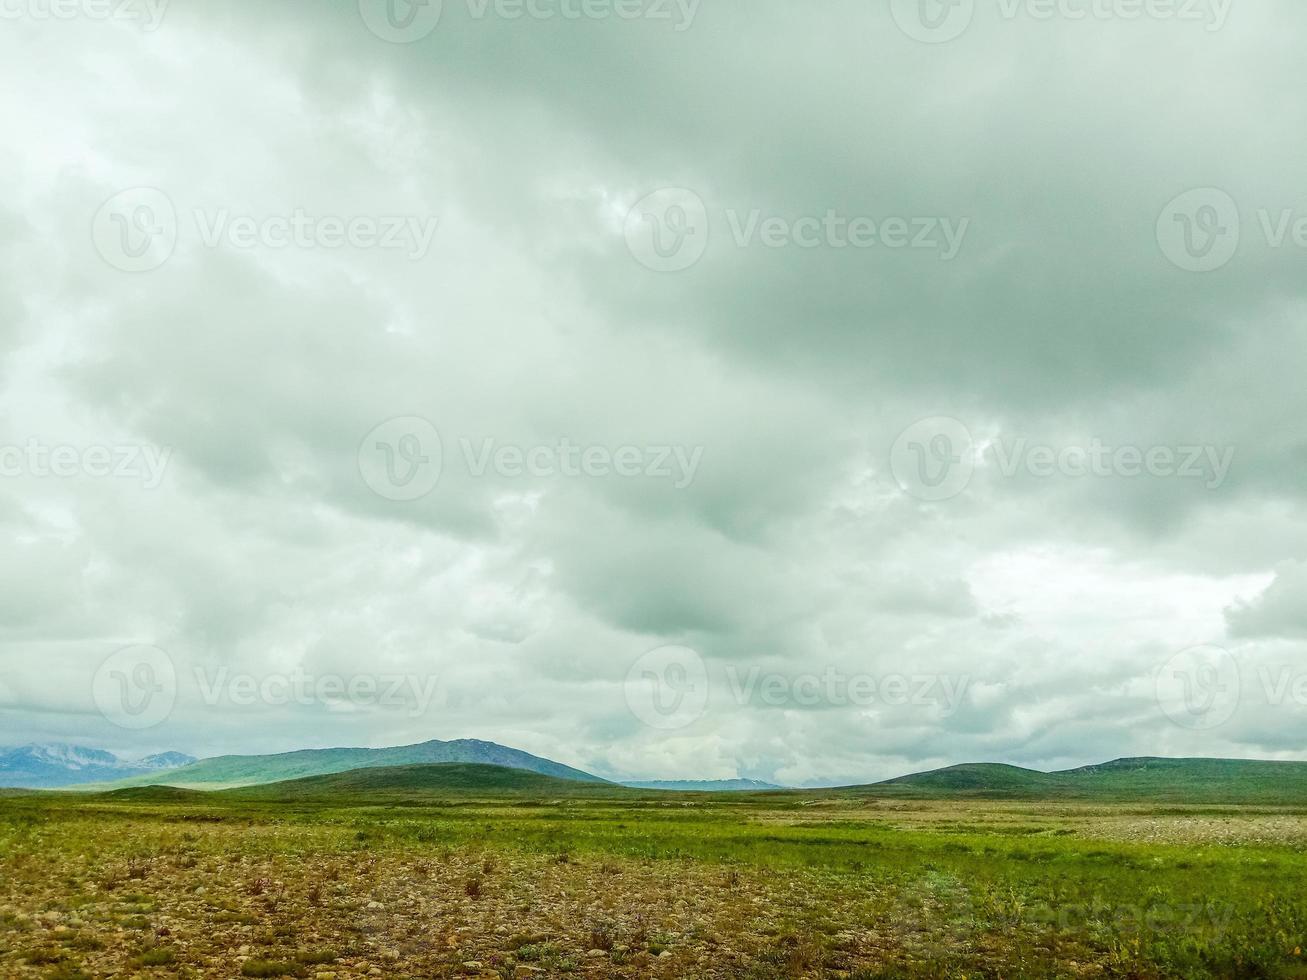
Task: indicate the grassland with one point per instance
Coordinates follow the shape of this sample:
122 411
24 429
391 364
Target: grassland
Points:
412 879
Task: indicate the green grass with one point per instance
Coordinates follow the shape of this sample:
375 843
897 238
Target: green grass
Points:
804 884
271 968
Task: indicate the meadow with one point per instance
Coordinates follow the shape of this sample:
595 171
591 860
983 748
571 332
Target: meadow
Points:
154 883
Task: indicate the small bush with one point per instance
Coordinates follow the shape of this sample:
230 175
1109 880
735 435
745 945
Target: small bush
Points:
159 956
271 968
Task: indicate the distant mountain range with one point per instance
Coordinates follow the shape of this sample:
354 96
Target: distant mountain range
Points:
705 785
1153 780
228 771
55 766
1141 781
1206 781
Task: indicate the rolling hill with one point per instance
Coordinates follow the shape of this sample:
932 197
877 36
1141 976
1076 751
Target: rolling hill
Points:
1144 779
479 766
387 784
230 771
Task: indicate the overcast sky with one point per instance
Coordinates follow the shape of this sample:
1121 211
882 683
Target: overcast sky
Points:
807 392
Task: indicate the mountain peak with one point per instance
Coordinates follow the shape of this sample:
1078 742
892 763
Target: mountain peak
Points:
58 764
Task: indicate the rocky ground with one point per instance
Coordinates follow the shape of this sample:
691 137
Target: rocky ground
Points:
207 903
128 892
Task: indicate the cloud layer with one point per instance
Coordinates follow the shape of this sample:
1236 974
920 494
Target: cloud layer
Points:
947 400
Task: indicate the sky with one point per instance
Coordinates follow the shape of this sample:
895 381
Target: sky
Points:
674 389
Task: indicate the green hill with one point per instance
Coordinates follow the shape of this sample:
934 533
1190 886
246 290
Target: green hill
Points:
155 794
230 771
420 782
981 778
1144 779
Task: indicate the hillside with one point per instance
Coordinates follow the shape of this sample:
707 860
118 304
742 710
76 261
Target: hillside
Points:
980 778
1143 779
231 771
373 784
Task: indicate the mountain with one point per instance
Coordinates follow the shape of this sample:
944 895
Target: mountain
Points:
705 785
391 783
1212 781
56 766
166 760
228 771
